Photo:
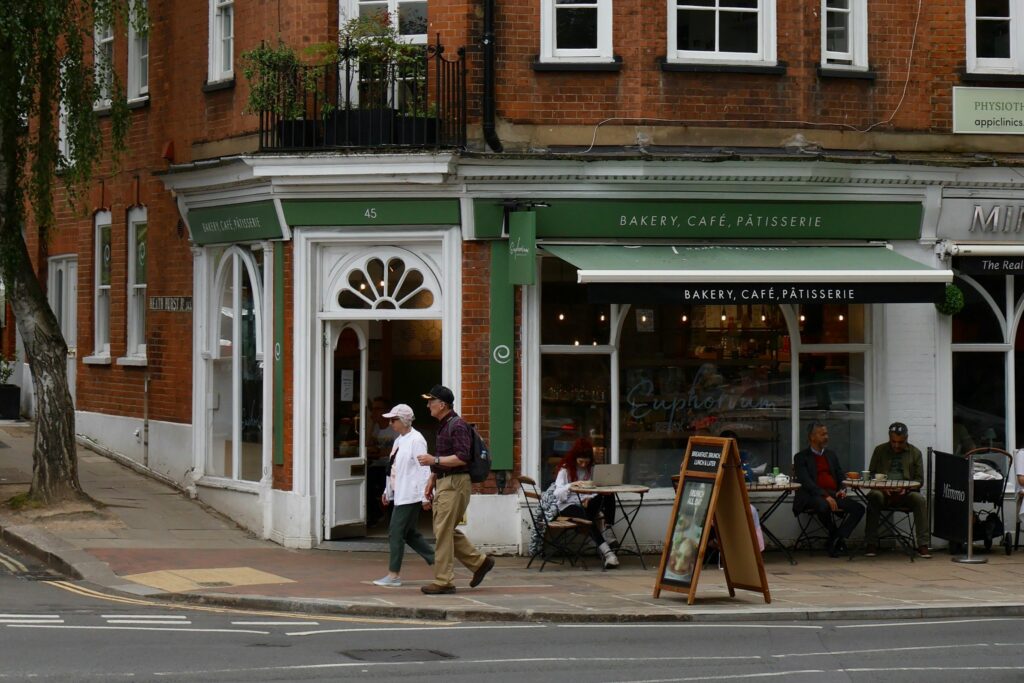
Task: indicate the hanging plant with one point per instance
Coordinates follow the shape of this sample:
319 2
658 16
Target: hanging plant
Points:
953 302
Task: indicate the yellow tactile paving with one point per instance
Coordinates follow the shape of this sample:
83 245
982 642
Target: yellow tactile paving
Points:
182 580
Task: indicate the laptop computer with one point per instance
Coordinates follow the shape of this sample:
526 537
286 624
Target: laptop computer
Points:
608 475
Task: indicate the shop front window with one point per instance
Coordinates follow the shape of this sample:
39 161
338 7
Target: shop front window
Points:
832 392
702 370
574 400
236 415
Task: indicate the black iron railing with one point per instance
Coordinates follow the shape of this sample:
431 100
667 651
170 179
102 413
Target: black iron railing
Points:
418 101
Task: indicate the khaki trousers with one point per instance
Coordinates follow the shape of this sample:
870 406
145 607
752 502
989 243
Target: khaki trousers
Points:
451 498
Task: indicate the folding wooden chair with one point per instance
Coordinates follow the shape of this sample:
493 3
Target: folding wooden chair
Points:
563 538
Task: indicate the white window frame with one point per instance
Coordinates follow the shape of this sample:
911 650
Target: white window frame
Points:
136 290
103 63
549 50
350 10
101 292
766 54
138 57
1014 64
856 58
67 157
222 32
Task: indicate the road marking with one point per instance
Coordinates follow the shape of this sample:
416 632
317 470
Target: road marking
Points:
877 651
472 627
729 677
29 616
12 563
143 616
147 621
275 623
700 626
90 593
31 620
137 628
892 624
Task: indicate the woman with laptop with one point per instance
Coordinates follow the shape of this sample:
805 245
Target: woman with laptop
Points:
578 465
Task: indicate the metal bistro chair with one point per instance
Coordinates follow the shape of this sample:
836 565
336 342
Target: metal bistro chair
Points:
897 524
559 533
813 534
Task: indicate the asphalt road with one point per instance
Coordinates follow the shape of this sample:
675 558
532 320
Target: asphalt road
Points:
58 630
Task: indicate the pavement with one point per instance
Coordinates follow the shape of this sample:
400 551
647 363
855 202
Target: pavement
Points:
151 540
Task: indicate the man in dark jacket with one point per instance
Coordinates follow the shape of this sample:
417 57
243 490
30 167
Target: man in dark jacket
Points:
820 477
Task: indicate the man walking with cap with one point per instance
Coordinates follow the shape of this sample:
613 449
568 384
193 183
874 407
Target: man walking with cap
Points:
897 459
450 488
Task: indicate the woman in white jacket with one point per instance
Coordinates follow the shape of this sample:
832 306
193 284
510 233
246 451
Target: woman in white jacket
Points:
404 487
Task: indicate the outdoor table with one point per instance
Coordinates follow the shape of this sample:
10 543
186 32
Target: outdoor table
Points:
784 491
626 516
860 487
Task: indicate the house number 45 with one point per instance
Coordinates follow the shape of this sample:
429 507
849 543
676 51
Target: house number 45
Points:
370 213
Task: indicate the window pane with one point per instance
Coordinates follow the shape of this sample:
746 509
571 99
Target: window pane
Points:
221 461
831 323
837 32
979 403
412 18
752 4
374 10
104 249
977 322
696 30
993 8
832 392
576 29
227 34
566 315
993 39
252 387
140 253
574 404
738 32
838 4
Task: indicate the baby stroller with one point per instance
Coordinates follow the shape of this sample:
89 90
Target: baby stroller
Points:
991 468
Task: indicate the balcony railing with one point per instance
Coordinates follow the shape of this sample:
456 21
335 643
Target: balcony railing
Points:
363 103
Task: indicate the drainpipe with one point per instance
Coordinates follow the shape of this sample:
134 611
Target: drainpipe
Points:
490 135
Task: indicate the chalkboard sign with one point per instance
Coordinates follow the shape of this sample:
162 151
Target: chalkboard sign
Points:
950 506
711 502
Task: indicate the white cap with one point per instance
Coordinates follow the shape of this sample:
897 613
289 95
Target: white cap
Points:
401 410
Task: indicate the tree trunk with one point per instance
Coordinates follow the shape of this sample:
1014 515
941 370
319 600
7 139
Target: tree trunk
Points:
55 462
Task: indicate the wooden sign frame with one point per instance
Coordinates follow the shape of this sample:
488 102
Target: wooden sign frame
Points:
711 487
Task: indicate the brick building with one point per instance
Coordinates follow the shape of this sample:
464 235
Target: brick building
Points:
607 220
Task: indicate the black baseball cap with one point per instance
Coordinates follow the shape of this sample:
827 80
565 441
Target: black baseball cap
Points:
441 393
898 428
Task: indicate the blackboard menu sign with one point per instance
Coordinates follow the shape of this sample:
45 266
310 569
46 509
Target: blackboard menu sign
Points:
711 505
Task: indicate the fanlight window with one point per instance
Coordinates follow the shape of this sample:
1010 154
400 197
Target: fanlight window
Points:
385 283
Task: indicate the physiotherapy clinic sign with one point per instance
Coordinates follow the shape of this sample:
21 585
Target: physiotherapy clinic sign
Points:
697 219
988 111
235 223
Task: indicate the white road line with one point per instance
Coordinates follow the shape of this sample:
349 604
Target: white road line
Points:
178 616
31 621
29 616
730 677
892 624
619 627
412 628
877 651
143 628
148 621
275 623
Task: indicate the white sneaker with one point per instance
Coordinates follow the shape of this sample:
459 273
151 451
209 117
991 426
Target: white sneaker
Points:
609 537
389 581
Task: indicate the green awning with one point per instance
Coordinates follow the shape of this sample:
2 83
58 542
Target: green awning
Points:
745 274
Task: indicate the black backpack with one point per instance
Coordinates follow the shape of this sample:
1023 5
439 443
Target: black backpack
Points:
479 464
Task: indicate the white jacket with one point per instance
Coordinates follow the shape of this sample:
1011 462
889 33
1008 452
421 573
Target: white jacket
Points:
408 478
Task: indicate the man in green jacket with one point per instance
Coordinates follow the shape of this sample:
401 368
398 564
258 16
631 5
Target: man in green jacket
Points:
898 460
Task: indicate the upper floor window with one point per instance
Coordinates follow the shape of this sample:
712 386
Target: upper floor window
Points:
103 64
101 266
576 30
722 31
137 252
138 58
844 34
222 40
408 16
63 138
995 36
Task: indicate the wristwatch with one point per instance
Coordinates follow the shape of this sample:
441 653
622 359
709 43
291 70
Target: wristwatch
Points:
437 460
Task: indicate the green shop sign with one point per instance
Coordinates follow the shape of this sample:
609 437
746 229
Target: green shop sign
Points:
988 111
235 223
624 219
372 212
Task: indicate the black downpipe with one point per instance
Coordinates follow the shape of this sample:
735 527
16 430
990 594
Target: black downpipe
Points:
490 134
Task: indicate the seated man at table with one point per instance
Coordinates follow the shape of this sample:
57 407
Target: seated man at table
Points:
817 469
897 459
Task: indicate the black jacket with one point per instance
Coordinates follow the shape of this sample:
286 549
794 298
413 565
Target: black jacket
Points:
805 469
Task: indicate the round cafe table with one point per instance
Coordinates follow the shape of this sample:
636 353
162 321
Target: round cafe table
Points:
626 516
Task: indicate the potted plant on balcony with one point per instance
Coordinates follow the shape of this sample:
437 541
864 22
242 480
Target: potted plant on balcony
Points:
10 394
278 86
380 69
